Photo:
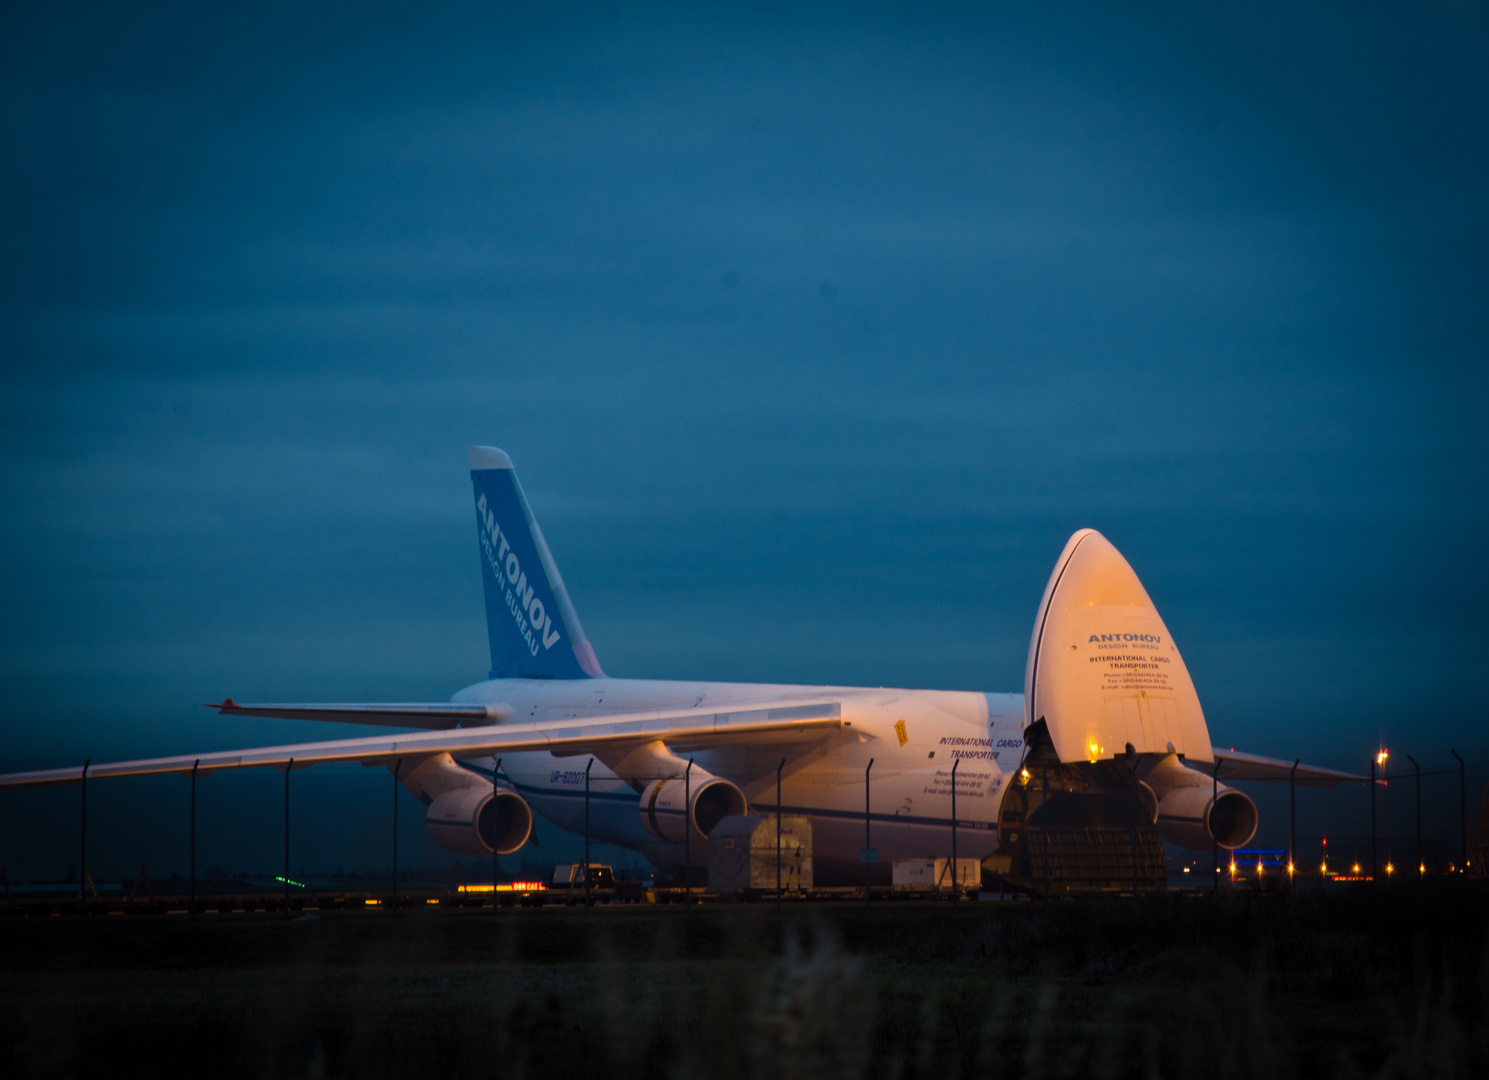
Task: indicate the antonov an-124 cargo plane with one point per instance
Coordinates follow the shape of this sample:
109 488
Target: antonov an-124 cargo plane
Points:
1067 785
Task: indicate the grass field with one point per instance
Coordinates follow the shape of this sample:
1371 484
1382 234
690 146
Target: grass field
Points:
1392 982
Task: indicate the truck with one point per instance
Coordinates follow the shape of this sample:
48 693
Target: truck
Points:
567 886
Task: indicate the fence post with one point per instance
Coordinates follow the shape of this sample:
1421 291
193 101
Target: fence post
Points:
588 903
1132 756
83 845
496 821
397 768
867 866
1292 827
779 767
1462 810
1214 840
288 766
1374 766
1044 784
1421 862
191 912
687 838
955 886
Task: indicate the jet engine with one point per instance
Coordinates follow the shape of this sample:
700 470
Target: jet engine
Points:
1195 817
1194 812
464 820
709 799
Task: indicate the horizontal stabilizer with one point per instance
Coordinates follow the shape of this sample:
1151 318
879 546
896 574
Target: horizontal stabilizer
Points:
1238 766
679 729
434 716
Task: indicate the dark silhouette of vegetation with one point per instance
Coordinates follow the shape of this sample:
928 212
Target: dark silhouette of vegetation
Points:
1382 983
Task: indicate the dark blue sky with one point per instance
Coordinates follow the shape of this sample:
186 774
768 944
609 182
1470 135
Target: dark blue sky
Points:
813 336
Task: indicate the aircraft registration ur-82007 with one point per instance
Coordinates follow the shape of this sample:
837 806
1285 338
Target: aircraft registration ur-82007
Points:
1070 784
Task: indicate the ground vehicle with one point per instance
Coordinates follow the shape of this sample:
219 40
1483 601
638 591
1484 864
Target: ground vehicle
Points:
567 886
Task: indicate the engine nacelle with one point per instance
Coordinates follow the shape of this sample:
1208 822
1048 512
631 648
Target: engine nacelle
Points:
1195 813
710 801
465 820
1195 818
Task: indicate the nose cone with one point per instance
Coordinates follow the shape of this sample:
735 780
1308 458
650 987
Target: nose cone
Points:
1103 669
1096 575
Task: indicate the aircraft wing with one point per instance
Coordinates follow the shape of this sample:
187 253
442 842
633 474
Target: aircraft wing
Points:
1235 765
692 727
435 715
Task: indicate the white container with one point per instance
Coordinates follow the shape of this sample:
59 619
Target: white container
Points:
924 875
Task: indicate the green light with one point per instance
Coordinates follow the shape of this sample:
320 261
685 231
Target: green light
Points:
288 881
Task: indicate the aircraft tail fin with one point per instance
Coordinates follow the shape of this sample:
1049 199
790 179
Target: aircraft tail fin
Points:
534 630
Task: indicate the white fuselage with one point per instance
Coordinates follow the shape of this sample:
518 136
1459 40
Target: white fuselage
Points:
913 737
